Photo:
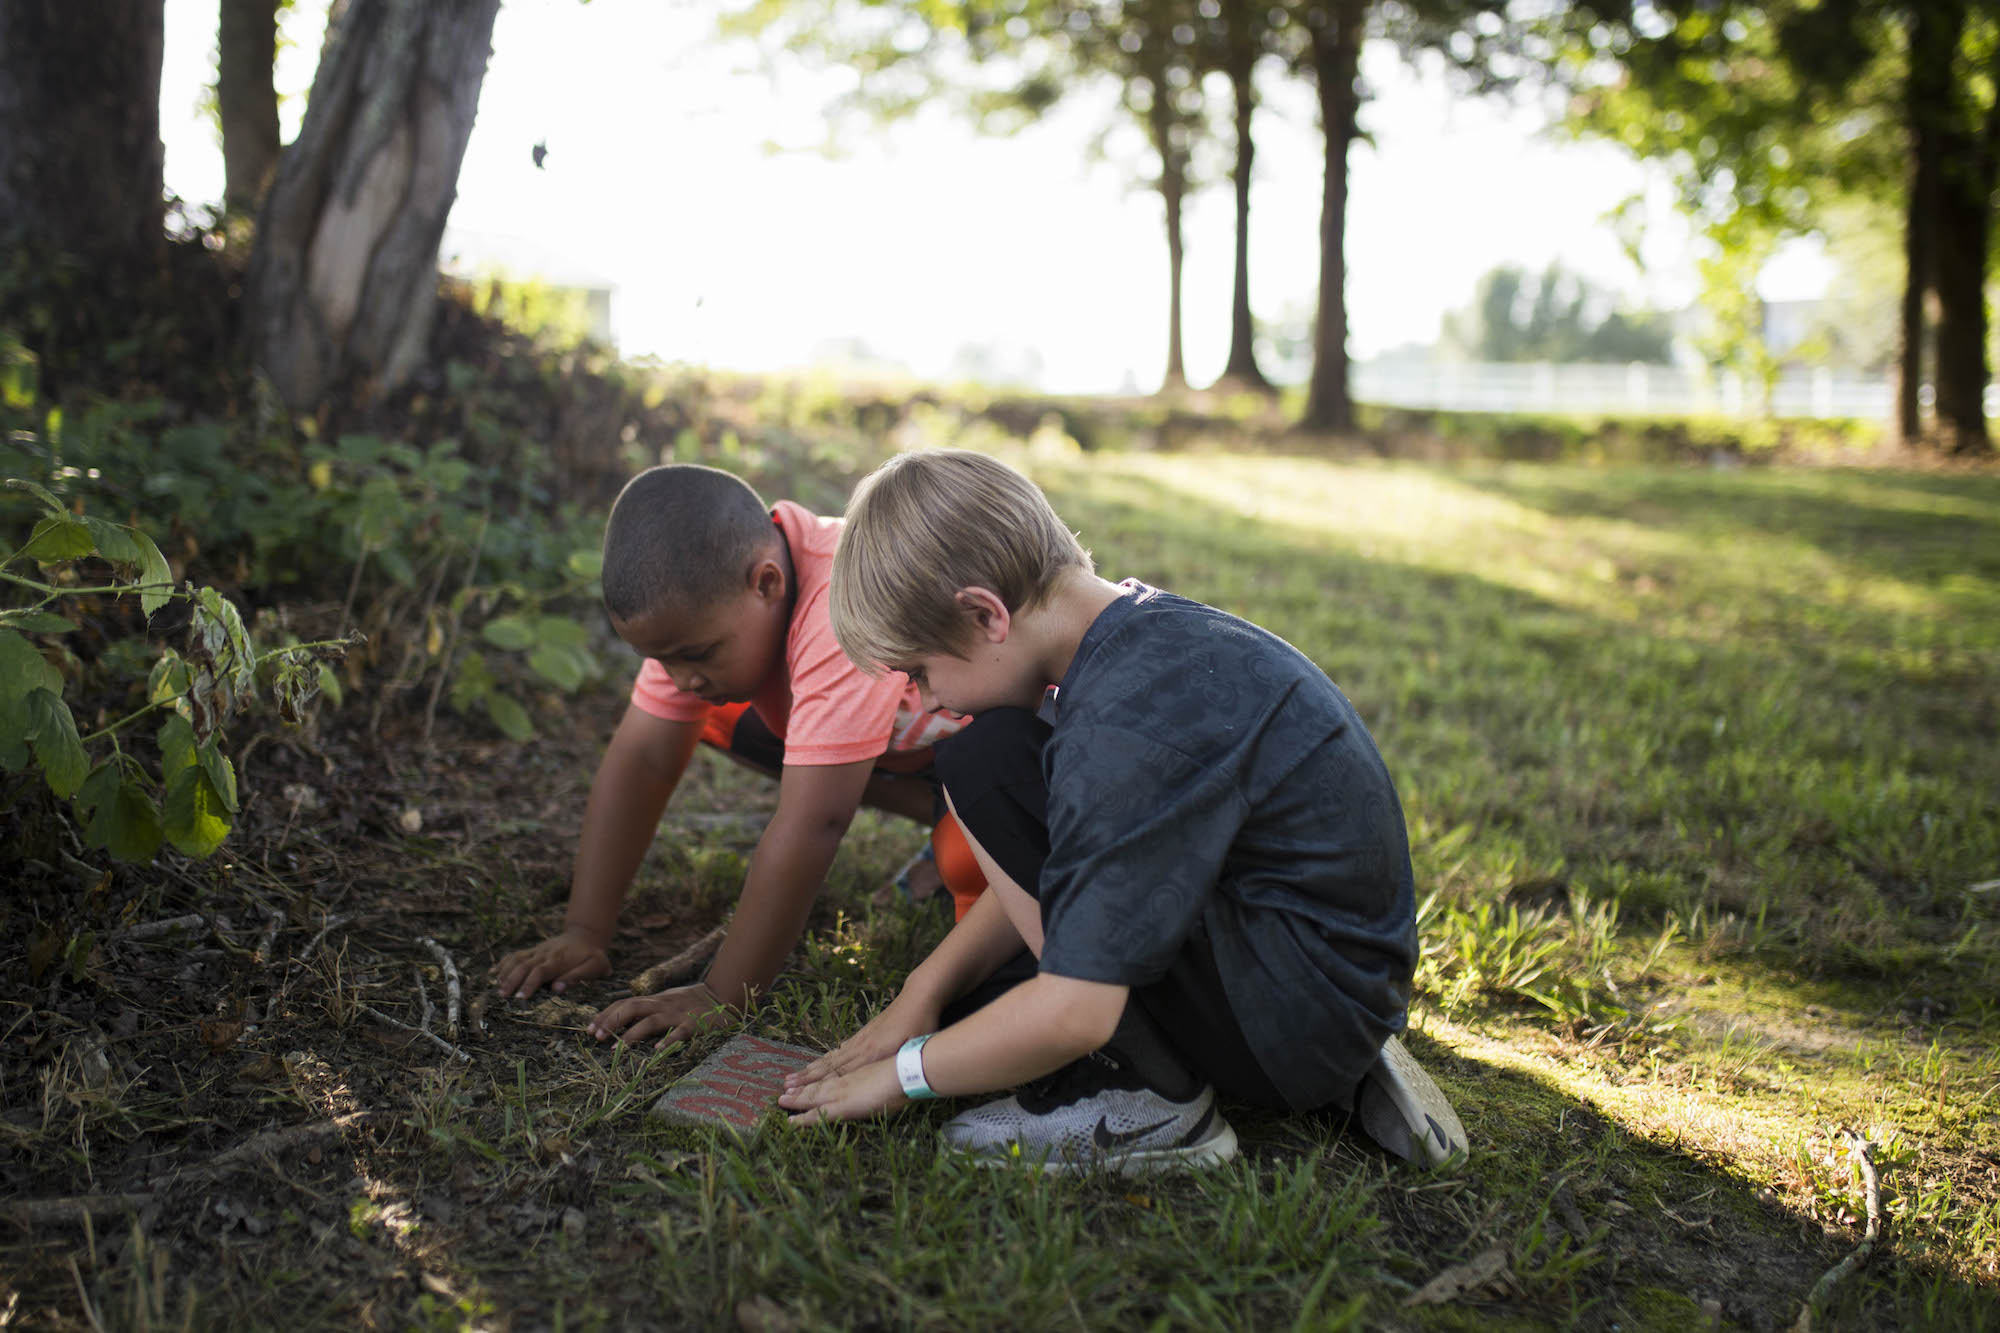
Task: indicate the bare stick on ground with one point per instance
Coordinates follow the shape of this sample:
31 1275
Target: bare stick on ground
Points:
270 940
154 929
313 943
435 1040
683 967
1857 1149
451 990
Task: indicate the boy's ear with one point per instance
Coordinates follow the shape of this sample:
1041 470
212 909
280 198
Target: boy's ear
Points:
768 578
988 613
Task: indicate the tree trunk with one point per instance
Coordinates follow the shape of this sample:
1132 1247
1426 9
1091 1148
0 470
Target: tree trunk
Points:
1173 194
246 50
1336 53
1241 370
80 154
343 279
1964 214
1927 108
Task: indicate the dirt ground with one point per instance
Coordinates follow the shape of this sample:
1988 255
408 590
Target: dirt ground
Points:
214 1107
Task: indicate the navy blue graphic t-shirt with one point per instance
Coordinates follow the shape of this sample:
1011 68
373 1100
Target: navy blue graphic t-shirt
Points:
1206 777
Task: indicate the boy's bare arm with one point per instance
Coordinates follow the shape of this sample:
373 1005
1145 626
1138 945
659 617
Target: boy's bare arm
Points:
1034 1029
815 806
641 767
973 950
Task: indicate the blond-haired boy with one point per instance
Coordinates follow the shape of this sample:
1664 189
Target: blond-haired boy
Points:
726 599
1204 850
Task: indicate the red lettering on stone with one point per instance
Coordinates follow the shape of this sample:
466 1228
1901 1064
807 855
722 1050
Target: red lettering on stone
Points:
737 1111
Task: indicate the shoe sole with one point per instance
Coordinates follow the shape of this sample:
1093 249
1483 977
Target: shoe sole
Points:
1424 1112
1214 1150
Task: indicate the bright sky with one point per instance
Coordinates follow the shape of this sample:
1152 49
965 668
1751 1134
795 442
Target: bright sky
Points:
662 179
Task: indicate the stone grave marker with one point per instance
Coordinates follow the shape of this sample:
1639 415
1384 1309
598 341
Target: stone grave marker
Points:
736 1086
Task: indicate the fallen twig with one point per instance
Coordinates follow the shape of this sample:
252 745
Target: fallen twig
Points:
424 999
683 967
51 1212
275 1140
434 1038
154 929
270 939
451 992
313 943
1857 1149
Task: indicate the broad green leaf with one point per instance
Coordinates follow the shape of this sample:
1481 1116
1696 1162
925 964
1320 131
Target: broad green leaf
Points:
98 791
59 539
119 815
114 542
194 821
509 716
470 683
221 774
155 575
449 474
558 665
37 622
586 564
329 684
177 746
513 633
23 668
13 733
382 513
136 830
562 630
169 678
59 750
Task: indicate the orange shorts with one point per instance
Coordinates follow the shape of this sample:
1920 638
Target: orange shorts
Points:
736 729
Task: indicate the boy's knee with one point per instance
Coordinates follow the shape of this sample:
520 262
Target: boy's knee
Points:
1000 747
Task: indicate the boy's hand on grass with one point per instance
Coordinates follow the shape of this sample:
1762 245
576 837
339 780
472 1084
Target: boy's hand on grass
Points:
863 1091
906 1017
555 962
679 1014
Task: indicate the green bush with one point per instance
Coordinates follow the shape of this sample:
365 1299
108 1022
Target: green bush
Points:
122 805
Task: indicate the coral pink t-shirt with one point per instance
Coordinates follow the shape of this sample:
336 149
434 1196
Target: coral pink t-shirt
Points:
825 709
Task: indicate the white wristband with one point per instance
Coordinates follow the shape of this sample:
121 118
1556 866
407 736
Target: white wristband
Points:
910 1068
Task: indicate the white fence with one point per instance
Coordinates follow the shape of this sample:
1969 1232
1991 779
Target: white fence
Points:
1635 389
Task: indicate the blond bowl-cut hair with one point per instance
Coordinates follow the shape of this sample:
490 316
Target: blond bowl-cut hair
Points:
924 525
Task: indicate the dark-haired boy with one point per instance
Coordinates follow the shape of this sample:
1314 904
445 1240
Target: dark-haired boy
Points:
727 602
1204 850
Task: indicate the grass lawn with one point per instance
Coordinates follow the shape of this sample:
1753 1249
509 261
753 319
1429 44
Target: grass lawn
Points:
1702 771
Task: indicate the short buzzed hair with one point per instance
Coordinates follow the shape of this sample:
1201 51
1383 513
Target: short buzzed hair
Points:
681 536
924 525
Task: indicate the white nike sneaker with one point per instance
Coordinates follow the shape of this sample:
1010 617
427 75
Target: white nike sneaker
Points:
1404 1110
1094 1115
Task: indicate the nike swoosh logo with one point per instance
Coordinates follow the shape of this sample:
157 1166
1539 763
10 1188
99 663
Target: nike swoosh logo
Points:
1107 1138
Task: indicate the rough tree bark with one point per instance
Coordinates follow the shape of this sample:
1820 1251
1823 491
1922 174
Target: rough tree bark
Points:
1336 32
1241 369
1172 184
246 50
343 279
1963 218
80 154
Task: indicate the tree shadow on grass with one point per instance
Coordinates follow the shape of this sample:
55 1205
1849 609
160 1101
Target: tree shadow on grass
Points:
1607 1228
1923 531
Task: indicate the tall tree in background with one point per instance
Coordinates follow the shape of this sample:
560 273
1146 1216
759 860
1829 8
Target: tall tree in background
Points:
1334 33
1239 35
343 277
80 156
247 100
1772 113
